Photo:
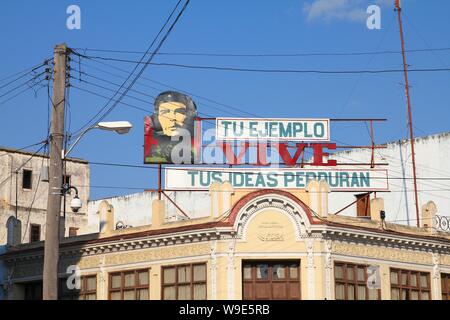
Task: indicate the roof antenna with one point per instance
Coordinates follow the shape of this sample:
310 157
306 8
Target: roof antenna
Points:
408 101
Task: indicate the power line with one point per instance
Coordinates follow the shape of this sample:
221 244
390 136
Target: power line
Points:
239 69
16 79
25 163
237 171
23 91
148 79
105 97
206 190
161 42
145 111
122 95
262 55
133 97
23 84
28 70
163 84
168 86
35 193
130 96
141 109
26 147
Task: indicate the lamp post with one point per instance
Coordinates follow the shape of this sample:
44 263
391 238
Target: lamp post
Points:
120 127
56 190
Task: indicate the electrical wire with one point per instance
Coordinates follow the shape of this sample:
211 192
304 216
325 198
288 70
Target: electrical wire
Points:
121 70
262 55
391 170
25 163
35 192
122 95
145 111
154 97
165 85
240 69
206 190
21 85
26 147
237 171
28 70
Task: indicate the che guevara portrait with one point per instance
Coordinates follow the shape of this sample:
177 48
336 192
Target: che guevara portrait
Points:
172 123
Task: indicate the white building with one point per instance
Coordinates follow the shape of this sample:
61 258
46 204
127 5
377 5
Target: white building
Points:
433 177
136 209
23 199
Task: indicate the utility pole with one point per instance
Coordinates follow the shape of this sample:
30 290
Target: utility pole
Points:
51 243
408 101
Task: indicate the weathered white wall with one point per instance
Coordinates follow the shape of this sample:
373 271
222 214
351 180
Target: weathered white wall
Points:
2 273
32 204
432 161
136 209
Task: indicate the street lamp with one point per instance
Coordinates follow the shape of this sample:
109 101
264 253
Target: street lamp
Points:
121 127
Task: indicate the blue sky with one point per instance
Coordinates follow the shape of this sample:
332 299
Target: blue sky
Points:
30 29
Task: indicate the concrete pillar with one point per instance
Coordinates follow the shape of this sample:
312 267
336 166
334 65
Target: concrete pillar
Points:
214 192
428 216
313 190
376 205
158 213
324 190
227 191
220 194
106 214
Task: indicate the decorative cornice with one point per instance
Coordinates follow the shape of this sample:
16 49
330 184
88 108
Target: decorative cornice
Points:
129 244
342 234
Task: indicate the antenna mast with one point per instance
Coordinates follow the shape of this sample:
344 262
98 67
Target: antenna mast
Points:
408 101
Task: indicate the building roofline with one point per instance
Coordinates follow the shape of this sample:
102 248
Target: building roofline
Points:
94 238
24 152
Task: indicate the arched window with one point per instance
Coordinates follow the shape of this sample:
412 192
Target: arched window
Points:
13 227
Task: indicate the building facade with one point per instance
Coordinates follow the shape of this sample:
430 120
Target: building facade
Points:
254 244
225 243
23 199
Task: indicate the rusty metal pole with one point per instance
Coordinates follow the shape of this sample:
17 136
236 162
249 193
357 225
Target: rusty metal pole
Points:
159 182
51 243
372 138
408 101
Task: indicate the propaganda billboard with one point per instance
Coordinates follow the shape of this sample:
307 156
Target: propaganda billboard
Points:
169 134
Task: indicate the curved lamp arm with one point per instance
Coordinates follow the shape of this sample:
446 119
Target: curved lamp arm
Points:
66 153
121 127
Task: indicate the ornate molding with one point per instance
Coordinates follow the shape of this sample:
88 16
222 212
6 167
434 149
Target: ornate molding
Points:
436 275
213 269
231 268
379 252
272 201
120 245
328 268
310 268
